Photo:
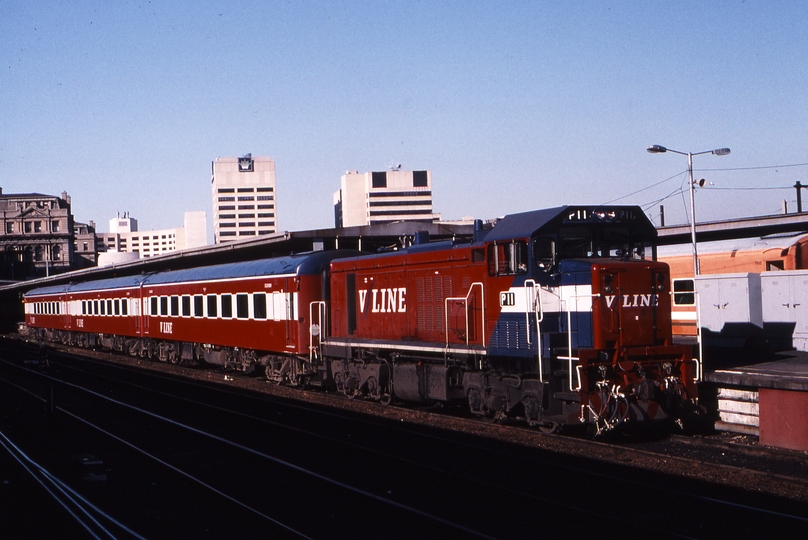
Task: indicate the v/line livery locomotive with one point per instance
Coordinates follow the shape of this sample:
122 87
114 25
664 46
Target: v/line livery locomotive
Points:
556 316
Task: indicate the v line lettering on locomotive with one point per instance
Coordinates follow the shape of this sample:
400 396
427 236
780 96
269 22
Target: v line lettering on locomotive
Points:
384 300
634 300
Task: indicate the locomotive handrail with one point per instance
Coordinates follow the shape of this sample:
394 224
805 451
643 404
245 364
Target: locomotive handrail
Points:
698 332
321 318
539 314
699 340
569 356
465 300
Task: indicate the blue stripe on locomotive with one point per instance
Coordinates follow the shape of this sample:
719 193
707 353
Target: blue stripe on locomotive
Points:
510 335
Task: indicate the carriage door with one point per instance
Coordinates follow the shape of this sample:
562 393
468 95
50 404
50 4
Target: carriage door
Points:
287 307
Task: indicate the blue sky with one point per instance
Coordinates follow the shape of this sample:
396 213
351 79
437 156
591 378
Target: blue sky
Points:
512 105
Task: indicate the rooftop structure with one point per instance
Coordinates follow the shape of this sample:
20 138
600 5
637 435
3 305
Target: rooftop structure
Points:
244 203
383 197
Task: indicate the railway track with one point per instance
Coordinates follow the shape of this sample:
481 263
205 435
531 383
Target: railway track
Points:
397 472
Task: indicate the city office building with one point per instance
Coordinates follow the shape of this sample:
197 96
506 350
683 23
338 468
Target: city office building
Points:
124 236
244 203
383 197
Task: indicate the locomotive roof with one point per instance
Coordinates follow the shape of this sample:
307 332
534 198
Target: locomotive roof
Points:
526 224
298 264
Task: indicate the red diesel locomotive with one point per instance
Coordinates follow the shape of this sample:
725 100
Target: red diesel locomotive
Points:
557 316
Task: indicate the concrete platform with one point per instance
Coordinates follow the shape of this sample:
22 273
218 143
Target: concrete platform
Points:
790 372
770 398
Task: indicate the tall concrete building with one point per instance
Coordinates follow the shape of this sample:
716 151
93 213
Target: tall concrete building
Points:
244 203
383 197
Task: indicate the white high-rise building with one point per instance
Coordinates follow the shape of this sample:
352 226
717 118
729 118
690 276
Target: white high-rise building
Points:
244 202
124 236
383 197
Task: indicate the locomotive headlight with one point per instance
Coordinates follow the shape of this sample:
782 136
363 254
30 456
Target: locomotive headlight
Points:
607 284
660 279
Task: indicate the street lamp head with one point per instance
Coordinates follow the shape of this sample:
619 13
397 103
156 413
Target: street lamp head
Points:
721 151
657 149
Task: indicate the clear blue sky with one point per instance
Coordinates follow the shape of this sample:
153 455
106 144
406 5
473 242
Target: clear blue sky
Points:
512 105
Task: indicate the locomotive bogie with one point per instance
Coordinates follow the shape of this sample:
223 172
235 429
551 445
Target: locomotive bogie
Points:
492 395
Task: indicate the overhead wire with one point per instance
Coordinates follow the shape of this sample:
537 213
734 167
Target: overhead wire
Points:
681 189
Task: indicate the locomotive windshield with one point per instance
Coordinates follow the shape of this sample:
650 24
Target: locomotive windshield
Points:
601 242
586 243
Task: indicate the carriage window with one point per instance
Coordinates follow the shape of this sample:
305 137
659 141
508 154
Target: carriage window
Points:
153 310
103 308
227 306
164 305
260 306
125 306
117 305
212 306
684 292
186 306
109 307
199 306
175 306
242 306
508 258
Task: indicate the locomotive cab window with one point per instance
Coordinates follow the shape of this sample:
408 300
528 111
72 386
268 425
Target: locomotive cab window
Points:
507 258
607 242
544 253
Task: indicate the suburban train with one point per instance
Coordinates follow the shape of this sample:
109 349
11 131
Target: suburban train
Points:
772 253
555 317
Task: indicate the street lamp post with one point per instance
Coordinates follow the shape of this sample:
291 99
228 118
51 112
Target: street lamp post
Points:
657 149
